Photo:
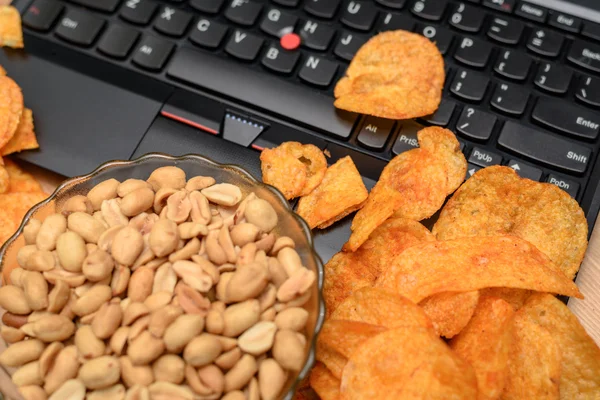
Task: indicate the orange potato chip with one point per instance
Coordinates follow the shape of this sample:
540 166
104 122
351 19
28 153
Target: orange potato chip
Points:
534 365
4 180
293 168
2 71
11 108
473 263
407 363
339 339
485 344
515 297
24 137
11 33
21 181
580 374
381 307
495 200
13 207
395 75
324 383
340 193
450 312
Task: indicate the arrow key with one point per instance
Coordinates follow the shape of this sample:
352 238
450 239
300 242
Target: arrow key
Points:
471 169
375 132
526 170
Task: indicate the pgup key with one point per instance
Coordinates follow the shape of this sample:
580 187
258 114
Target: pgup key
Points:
484 158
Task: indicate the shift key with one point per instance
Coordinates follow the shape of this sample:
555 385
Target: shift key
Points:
545 148
571 120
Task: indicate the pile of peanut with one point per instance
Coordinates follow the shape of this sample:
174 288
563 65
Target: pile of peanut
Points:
160 289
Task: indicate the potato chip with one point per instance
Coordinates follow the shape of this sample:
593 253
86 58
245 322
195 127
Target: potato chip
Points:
324 383
495 200
515 297
340 193
11 34
485 344
13 207
293 168
24 137
407 363
381 307
534 365
21 181
11 108
580 375
473 263
395 75
4 180
2 71
450 312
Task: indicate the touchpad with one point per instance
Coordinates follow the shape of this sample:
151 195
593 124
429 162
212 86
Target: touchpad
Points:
80 121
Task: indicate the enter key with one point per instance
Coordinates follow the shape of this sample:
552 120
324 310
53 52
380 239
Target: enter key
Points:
571 120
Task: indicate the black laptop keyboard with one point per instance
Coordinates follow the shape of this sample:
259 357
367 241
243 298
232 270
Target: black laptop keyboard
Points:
522 86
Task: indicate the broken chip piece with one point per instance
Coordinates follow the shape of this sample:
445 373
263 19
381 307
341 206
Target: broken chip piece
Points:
340 193
13 207
395 75
24 137
450 312
496 201
11 33
11 108
21 181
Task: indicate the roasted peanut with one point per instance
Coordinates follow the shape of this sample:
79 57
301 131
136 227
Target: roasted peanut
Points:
140 284
105 190
22 353
97 266
127 245
221 289
65 367
247 282
186 252
35 288
158 300
139 326
115 392
100 372
252 391
14 320
258 339
162 318
28 374
171 177
282 242
59 296
24 253
262 214
88 227
49 329
200 212
182 331
73 279
88 345
165 279
293 318
92 300
30 231
266 242
134 311
135 375
241 373
189 230
227 360
215 252
244 233
13 300
202 350
247 254
215 322
240 316
296 285
112 214
48 357
169 368
234 395
33 392
11 335
137 202
48 233
164 237
118 340
143 222
15 277
120 280
288 350
41 261
73 389
290 260
224 194
129 185
107 320
193 275
178 206
208 267
226 244
71 251
137 392
161 197
106 238
168 391
271 379
145 349
199 183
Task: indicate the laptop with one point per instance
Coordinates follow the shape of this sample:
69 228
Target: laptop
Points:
115 79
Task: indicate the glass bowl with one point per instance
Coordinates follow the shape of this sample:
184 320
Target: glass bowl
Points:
290 224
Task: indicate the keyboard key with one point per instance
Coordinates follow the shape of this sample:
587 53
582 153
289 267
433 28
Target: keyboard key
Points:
476 124
207 6
585 55
359 15
591 30
467 18
501 5
567 185
473 52
279 60
442 115
287 3
407 137
394 21
118 41
375 132
588 91
509 98
172 21
138 12
565 22
207 33
348 45
322 8
469 85
545 42
316 35
108 6
471 169
42 14
513 64
243 12
525 170
505 30
152 53
532 12
553 78
544 148
392 3
484 158
431 10
278 23
241 129
318 71
80 28
286 99
243 45
442 37
567 118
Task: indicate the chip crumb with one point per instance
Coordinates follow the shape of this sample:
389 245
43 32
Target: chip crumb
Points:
11 33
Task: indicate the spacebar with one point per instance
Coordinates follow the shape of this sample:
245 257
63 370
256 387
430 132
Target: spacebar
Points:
269 93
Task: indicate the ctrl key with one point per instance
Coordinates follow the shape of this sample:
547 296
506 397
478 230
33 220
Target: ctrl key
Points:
152 53
567 185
